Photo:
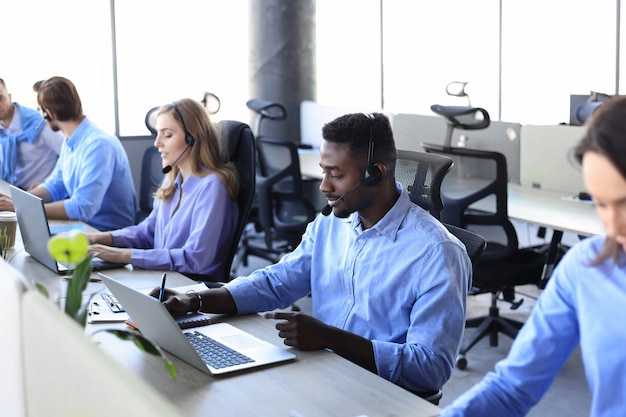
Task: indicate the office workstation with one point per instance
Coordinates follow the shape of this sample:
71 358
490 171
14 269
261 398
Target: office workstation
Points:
543 188
316 383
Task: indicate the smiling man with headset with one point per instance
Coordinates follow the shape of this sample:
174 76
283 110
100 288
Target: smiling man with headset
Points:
388 281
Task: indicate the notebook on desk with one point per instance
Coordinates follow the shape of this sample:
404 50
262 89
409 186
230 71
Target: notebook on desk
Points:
156 323
35 231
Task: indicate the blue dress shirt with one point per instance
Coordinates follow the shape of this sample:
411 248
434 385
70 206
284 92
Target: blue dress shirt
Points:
581 304
401 284
93 176
193 239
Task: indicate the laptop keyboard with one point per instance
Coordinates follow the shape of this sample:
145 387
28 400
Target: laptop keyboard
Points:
112 302
215 354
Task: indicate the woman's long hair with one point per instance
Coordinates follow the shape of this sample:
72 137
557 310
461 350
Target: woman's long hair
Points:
205 152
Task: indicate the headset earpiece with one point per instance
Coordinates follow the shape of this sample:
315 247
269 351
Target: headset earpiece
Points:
189 140
46 116
372 174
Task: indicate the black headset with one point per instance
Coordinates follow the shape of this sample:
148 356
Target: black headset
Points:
372 174
189 139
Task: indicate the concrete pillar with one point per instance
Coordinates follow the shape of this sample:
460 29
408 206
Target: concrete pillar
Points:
282 59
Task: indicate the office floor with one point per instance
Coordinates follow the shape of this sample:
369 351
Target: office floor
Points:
568 395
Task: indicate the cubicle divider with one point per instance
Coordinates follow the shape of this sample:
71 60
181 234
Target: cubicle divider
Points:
52 368
547 158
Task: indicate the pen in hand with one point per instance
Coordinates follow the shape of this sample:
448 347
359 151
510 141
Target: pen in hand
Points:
162 289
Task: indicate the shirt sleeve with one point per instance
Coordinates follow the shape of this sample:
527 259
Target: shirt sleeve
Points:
91 184
278 285
140 236
424 361
539 351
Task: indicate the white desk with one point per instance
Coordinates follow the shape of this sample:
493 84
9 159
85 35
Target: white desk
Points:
553 210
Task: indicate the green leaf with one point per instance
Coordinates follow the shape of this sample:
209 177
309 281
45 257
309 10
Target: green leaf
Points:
144 344
76 286
42 290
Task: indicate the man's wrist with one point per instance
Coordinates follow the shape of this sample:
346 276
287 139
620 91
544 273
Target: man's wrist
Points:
195 301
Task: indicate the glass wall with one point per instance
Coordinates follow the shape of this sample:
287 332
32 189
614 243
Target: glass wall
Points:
168 50
522 59
70 38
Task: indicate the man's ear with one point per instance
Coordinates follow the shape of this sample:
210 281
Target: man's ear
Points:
383 170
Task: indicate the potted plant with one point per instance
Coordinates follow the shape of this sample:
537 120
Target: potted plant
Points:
72 248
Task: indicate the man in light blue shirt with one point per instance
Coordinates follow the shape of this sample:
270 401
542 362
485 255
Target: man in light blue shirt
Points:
29 149
388 282
92 180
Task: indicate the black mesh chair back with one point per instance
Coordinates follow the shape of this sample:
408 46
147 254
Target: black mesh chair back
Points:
421 174
283 210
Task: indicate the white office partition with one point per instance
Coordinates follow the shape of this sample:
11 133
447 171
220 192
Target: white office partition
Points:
547 158
12 286
66 373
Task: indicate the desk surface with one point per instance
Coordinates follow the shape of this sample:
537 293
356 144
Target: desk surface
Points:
317 383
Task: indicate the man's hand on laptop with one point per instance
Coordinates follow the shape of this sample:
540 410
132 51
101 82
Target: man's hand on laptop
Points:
111 254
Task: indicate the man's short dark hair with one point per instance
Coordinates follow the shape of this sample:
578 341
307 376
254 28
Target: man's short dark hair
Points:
354 129
59 95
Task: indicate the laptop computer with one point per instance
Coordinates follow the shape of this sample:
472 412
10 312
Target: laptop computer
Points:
157 324
35 231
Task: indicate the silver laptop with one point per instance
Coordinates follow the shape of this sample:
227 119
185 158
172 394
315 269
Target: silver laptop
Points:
156 323
35 231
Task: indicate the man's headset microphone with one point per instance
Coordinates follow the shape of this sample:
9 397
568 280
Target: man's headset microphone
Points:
371 176
189 139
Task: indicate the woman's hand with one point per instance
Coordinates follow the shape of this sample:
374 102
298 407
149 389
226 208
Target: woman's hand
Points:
111 254
104 238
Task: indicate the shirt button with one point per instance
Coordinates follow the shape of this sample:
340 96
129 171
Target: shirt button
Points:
349 301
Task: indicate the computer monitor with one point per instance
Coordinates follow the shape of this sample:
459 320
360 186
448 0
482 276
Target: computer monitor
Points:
582 106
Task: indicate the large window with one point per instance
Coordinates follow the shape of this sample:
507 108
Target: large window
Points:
69 38
168 50
522 59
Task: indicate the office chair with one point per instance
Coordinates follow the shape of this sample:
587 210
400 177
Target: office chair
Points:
237 138
503 265
421 174
237 146
151 171
283 212
280 211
